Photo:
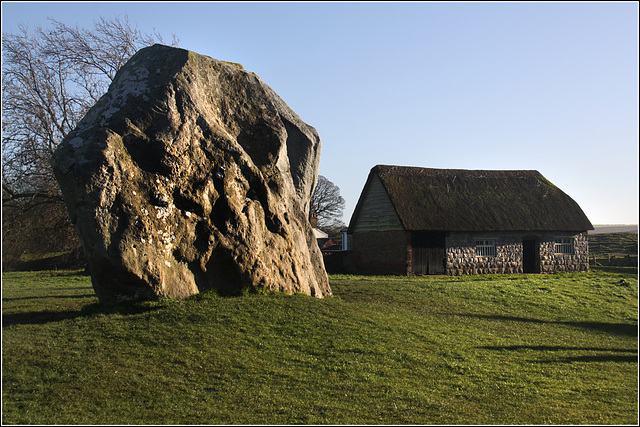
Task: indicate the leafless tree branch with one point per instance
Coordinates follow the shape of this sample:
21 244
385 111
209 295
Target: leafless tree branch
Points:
327 203
50 78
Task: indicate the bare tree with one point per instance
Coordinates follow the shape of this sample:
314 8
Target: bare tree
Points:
50 78
327 204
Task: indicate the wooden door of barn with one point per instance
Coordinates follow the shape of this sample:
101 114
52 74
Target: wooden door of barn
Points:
428 252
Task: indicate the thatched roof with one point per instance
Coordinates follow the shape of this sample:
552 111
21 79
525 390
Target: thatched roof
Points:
476 200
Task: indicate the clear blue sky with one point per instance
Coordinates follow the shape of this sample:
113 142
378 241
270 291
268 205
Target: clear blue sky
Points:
545 86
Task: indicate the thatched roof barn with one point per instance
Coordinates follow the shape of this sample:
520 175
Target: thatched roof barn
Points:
453 209
475 200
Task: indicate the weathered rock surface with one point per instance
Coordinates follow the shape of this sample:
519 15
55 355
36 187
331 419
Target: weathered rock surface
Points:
191 174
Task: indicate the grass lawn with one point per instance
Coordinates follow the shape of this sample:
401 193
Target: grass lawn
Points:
614 248
514 349
613 243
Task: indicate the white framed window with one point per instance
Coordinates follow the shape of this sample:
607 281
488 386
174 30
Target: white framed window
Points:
486 248
564 246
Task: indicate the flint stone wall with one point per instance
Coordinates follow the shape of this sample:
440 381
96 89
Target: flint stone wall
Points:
461 257
389 252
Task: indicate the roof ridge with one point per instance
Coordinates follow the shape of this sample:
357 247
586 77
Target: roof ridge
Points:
387 168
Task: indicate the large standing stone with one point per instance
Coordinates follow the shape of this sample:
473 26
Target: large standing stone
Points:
191 174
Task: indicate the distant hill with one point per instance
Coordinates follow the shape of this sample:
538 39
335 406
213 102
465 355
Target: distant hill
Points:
600 229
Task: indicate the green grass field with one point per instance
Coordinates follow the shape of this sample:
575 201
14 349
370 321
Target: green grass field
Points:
614 244
514 349
617 249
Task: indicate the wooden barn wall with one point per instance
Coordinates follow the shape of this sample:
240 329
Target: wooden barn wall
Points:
377 213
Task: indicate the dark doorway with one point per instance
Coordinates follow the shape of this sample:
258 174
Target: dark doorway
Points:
428 252
530 255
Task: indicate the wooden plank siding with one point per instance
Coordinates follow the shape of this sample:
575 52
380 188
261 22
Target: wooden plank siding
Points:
377 212
428 252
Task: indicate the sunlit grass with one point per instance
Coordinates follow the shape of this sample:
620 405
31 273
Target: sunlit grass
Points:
613 244
518 349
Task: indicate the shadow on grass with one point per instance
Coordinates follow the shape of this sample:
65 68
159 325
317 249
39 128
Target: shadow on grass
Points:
50 296
47 316
557 348
627 329
579 358
597 358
